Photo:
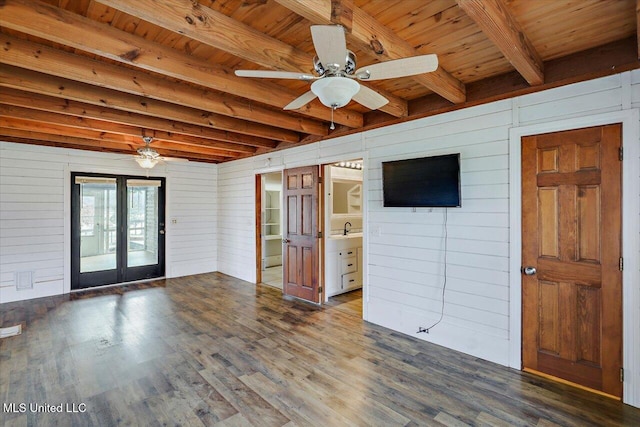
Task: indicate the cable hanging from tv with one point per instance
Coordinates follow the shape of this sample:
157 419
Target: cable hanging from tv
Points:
444 284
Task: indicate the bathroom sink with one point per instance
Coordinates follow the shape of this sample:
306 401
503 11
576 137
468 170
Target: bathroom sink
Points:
348 236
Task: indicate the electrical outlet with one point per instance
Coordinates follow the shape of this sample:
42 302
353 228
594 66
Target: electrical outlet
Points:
24 280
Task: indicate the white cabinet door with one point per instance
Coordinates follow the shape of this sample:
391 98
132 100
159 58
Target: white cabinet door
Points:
332 280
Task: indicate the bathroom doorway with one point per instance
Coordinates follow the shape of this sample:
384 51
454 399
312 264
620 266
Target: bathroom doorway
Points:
343 207
341 254
269 229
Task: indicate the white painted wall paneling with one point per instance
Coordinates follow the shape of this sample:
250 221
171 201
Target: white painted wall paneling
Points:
35 209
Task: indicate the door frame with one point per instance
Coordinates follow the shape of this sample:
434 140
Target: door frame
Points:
630 120
121 272
258 225
275 162
258 189
158 172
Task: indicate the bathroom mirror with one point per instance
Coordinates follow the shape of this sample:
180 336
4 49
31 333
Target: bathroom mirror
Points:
347 196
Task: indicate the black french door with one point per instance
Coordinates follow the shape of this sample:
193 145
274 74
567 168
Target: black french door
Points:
117 229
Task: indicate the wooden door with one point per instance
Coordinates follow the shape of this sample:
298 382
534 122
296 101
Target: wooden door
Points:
571 235
300 243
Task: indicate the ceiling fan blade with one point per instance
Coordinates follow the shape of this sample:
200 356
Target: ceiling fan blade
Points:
399 68
267 74
370 98
331 46
173 159
303 99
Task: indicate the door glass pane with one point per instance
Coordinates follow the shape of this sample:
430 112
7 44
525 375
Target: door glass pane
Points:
142 223
98 223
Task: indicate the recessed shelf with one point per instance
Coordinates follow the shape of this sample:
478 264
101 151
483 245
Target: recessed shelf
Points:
271 229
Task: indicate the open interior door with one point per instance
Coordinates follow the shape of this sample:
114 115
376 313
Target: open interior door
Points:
300 250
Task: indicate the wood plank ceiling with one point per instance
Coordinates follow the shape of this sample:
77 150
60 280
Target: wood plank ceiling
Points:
101 74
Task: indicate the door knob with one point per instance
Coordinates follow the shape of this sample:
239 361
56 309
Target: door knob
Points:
285 240
528 271
161 231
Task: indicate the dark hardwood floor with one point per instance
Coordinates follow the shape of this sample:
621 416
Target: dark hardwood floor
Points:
213 350
350 302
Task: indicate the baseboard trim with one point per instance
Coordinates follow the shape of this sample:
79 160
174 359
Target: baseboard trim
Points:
567 382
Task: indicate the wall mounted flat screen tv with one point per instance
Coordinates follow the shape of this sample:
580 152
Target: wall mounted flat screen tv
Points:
423 182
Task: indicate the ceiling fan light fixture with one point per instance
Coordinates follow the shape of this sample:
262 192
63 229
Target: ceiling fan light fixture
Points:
146 162
148 152
335 92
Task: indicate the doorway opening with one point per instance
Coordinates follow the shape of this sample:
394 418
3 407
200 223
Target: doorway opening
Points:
281 216
343 244
289 214
269 218
117 229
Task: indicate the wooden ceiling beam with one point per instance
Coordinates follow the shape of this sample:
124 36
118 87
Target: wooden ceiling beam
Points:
30 81
606 60
81 143
342 13
70 29
222 32
182 149
78 109
497 23
11 111
36 101
213 28
42 127
61 141
25 125
367 31
612 58
230 112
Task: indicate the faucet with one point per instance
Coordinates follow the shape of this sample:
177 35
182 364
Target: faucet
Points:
345 228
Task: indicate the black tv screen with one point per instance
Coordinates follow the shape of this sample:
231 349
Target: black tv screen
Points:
424 182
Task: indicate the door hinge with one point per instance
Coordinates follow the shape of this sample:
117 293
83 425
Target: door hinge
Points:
621 375
320 180
319 234
621 264
620 154
319 289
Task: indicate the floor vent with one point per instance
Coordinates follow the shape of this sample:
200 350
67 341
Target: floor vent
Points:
24 280
10 331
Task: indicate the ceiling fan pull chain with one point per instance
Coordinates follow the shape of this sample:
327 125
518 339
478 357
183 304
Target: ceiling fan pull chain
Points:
333 126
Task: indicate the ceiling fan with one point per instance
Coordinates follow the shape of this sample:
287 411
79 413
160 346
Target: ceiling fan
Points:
147 157
336 83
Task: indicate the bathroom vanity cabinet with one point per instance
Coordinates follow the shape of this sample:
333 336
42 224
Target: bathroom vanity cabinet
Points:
343 264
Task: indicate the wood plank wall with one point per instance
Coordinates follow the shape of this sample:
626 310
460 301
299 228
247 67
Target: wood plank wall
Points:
405 257
406 287
33 218
215 210
193 201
